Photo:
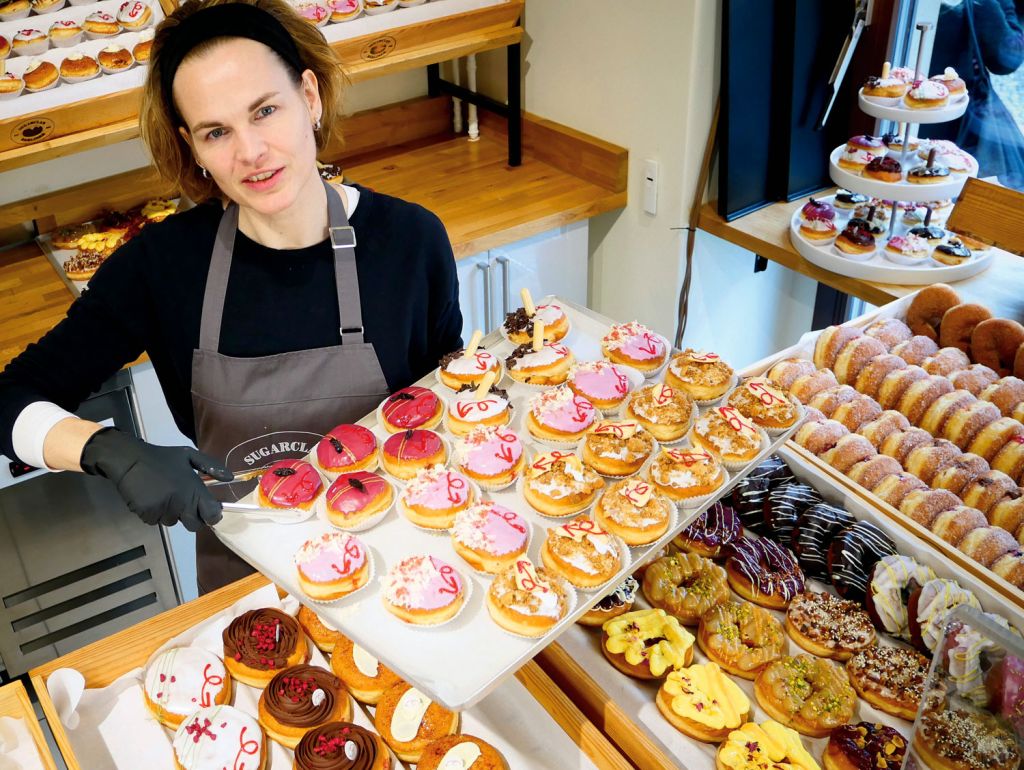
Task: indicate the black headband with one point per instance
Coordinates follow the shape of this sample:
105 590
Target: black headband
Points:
228 20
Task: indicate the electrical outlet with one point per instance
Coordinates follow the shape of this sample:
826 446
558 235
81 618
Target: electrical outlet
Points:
651 187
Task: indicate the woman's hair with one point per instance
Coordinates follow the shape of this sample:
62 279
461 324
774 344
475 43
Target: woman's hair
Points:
159 119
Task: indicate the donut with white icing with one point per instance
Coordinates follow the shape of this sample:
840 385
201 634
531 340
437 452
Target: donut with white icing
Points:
183 679
216 737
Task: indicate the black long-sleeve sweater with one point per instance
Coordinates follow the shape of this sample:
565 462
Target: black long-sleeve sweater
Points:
148 297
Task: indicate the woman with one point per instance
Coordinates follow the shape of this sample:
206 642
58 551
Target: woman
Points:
294 307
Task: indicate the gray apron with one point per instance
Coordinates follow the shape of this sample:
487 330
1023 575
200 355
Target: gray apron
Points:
253 412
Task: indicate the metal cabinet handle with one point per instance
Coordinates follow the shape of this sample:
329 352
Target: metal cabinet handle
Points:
486 268
506 299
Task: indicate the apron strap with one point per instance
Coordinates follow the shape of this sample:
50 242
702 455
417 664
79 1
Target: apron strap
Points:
346 276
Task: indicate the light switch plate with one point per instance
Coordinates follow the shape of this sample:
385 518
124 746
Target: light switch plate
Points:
651 187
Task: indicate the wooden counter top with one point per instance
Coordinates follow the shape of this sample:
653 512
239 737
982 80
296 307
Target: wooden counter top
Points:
481 200
766 232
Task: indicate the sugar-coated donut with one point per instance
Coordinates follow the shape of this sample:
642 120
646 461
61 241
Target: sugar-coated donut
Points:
926 461
925 505
964 424
852 554
819 437
924 316
994 342
958 474
806 386
1008 513
784 373
830 342
988 489
848 451
830 399
1010 568
889 331
993 437
946 361
987 544
854 357
887 422
922 394
893 489
870 378
895 384
915 350
975 378
868 473
1006 394
954 525
1010 459
900 444
935 417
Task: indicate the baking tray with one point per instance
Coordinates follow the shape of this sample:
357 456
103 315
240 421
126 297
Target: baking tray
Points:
624 707
14 703
458 663
531 697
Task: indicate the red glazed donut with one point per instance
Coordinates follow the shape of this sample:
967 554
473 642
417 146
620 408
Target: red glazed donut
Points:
926 309
994 343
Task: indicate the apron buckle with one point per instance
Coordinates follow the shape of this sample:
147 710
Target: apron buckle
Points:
356 330
343 237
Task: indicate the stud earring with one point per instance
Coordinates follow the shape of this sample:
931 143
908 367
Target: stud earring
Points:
318 125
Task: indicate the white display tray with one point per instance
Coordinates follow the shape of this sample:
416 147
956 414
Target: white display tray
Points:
902 114
637 698
66 93
878 268
458 663
897 191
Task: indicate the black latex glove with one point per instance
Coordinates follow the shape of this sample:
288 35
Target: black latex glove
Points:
158 483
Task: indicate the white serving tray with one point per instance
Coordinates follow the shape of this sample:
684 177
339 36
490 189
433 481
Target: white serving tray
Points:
458 663
898 191
878 268
636 697
902 114
366 24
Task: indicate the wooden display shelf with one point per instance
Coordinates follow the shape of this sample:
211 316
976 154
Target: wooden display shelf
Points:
102 662
14 702
111 119
766 233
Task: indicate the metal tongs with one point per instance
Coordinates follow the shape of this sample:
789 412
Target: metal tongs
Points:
861 19
241 487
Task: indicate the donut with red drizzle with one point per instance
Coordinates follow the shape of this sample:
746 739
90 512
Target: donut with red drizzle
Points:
290 484
347 448
355 497
405 454
412 407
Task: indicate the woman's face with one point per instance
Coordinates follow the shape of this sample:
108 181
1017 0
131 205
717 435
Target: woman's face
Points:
249 124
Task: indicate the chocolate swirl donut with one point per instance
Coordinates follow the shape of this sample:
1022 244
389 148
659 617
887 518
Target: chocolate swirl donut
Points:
289 699
784 506
813 534
337 746
253 639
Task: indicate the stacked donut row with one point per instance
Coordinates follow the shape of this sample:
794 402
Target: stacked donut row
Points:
882 451
938 313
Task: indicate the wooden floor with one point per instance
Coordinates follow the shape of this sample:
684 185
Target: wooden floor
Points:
481 200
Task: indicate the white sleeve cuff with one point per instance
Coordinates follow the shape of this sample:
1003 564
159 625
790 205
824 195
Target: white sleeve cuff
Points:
30 429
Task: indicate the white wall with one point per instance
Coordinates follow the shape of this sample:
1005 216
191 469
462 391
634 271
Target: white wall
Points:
106 161
646 79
